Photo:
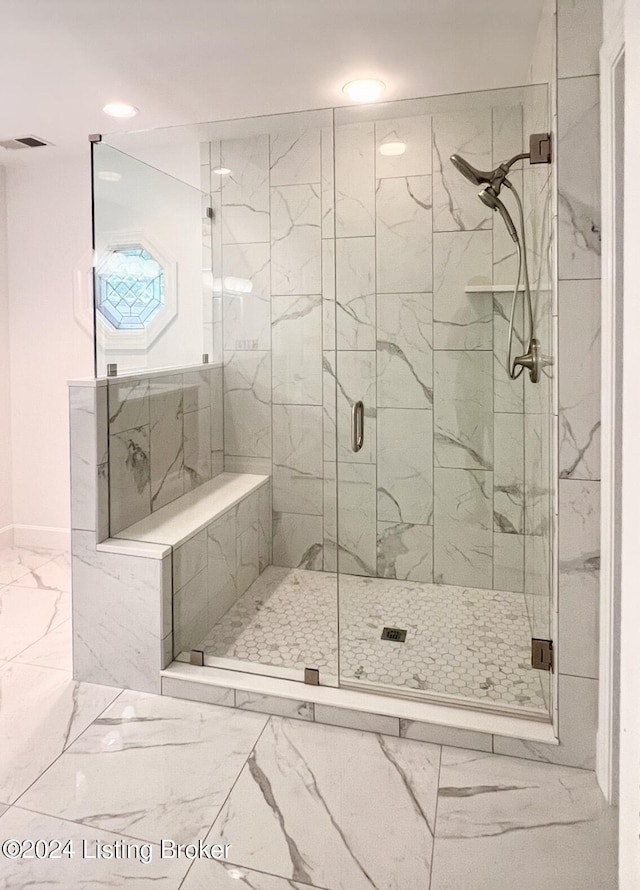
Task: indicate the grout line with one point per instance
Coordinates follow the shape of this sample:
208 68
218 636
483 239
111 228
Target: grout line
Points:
69 744
435 818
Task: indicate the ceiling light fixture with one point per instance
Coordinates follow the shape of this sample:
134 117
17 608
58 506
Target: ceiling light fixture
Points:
364 90
390 149
221 171
120 109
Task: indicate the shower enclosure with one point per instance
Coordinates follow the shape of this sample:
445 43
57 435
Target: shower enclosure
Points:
351 298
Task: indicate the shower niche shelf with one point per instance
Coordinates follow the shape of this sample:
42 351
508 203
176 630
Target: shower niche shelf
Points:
490 289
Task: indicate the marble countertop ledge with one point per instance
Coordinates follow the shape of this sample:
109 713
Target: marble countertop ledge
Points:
189 514
126 375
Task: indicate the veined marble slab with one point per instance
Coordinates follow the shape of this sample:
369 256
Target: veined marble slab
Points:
178 521
152 767
311 799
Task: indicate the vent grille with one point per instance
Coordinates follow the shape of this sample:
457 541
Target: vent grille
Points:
23 142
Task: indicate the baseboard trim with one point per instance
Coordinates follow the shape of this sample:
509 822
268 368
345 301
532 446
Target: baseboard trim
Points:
41 536
6 537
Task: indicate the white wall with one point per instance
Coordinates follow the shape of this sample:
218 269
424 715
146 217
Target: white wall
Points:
6 515
49 236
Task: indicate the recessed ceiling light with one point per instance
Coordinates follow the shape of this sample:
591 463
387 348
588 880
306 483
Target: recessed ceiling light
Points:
393 148
221 171
364 90
109 176
120 109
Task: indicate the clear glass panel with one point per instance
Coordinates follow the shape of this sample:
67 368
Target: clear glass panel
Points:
153 273
271 609
444 514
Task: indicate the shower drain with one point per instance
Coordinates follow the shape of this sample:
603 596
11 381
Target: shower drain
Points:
395 634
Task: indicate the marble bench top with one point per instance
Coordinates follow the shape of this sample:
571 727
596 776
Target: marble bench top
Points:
184 517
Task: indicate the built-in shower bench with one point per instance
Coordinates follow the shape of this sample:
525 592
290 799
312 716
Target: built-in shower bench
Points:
162 583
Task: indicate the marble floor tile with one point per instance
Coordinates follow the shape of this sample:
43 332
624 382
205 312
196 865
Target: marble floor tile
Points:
288 617
15 562
53 650
52 575
27 614
78 872
461 642
152 767
342 809
213 875
506 823
41 712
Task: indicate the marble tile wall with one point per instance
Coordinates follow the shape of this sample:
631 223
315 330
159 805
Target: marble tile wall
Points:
216 566
324 305
275 208
165 439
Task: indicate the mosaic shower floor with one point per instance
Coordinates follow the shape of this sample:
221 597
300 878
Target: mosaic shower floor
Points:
460 641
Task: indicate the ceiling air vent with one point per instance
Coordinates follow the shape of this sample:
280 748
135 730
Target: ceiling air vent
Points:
23 142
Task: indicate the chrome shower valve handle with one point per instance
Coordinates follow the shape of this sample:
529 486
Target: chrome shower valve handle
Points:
531 361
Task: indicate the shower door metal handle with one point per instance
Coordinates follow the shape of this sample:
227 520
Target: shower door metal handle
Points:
357 426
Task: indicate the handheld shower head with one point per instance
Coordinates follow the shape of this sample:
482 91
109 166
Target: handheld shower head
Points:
477 177
489 197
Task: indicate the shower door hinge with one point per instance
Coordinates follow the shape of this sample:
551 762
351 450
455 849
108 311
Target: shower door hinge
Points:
312 676
542 655
197 657
540 148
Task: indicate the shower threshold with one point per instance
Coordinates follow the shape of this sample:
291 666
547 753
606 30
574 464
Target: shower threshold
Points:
465 647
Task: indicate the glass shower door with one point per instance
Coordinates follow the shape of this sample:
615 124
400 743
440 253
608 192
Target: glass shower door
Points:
443 494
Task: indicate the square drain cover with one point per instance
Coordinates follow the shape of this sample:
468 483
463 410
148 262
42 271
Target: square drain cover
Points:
395 634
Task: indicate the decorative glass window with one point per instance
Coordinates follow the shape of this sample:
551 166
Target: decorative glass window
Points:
130 288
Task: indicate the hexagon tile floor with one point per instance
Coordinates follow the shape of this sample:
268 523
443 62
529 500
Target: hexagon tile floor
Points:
460 641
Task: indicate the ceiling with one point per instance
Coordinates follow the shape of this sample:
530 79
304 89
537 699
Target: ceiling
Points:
182 61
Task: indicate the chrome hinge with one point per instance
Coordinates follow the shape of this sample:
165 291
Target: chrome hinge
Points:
542 655
197 657
540 148
312 676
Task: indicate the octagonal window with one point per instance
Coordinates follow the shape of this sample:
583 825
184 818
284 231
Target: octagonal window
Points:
130 288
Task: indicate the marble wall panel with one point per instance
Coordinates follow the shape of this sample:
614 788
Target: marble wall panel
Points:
297 459
463 409
355 293
463 527
579 369
297 541
415 134
405 465
354 180
508 477
222 565
295 157
404 356
455 201
357 519
246 296
405 551
403 235
461 320
245 190
296 240
166 409
129 477
197 448
579 565
247 404
297 350
578 178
